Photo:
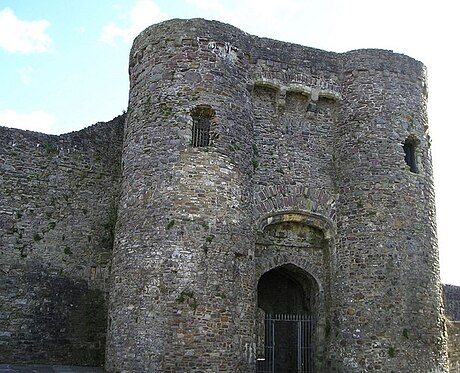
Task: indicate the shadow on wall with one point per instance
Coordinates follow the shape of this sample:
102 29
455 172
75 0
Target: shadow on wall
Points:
57 320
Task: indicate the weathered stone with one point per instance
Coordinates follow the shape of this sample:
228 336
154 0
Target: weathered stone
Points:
58 201
301 203
333 126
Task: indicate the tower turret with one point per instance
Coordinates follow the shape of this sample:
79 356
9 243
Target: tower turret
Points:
389 313
182 260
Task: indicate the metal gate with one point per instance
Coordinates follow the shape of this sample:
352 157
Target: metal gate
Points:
288 344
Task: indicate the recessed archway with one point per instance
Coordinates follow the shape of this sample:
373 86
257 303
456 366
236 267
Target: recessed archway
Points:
286 298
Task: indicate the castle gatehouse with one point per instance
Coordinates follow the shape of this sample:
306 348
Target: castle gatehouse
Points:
261 207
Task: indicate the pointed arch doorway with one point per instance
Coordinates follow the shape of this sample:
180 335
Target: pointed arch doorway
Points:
286 298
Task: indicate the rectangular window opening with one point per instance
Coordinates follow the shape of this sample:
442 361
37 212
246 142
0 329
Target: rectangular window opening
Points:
200 132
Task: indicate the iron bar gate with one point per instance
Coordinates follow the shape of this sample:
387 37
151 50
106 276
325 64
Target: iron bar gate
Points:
288 344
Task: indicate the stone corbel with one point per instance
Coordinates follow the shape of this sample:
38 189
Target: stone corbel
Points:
281 98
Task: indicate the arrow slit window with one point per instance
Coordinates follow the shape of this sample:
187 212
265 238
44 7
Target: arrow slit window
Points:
410 154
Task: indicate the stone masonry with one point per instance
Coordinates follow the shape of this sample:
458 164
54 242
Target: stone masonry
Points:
58 205
263 206
452 311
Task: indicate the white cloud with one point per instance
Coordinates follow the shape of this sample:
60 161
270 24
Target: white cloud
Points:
18 36
143 14
39 121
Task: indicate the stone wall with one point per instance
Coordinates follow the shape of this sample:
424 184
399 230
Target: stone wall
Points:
453 330
452 302
58 206
452 312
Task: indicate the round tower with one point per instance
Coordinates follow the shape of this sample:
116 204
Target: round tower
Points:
182 257
389 310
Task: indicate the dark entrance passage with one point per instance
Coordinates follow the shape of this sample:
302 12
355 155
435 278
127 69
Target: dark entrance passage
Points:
285 298
288 344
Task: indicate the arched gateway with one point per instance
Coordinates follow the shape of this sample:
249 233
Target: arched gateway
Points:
286 298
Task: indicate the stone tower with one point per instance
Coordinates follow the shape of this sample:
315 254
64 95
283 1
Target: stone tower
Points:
276 210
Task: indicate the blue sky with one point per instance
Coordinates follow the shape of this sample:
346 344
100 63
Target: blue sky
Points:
64 63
